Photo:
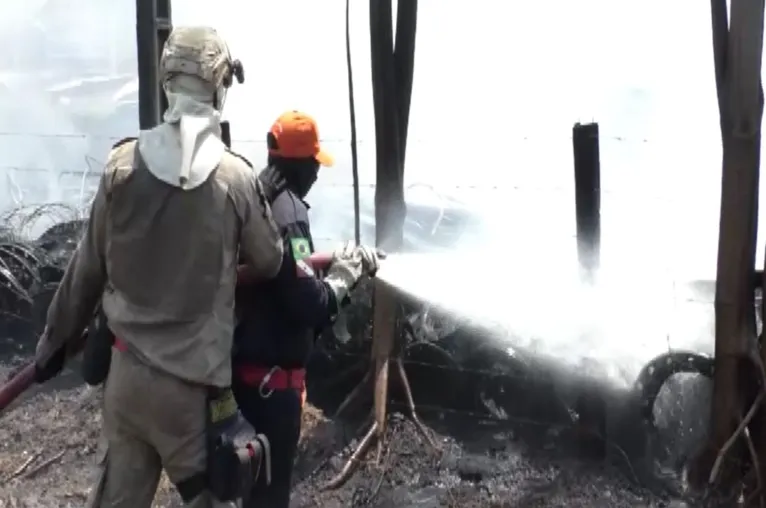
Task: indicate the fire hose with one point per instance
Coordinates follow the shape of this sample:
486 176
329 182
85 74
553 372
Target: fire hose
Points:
25 378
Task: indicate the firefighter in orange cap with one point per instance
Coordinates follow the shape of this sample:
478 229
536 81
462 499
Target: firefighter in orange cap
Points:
280 318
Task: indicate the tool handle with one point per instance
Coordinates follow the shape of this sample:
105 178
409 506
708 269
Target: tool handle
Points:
17 385
25 378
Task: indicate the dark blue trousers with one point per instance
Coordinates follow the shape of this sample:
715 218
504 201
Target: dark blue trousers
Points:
279 418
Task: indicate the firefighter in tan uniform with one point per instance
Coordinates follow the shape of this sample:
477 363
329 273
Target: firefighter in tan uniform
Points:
173 212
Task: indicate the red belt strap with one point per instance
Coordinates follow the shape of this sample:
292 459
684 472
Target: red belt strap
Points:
280 379
119 345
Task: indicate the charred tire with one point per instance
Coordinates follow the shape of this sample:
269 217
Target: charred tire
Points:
657 372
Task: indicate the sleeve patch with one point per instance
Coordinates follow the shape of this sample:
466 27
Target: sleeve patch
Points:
301 248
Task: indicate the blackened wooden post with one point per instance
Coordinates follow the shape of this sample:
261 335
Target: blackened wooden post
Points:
163 26
587 168
146 54
153 26
591 406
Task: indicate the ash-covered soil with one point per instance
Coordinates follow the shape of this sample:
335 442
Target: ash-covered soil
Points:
491 468
48 445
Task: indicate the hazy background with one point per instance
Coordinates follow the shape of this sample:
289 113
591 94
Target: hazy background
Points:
498 86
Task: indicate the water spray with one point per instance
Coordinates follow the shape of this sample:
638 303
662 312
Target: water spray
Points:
611 326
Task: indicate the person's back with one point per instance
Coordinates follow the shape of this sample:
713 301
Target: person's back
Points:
281 316
286 309
172 259
173 212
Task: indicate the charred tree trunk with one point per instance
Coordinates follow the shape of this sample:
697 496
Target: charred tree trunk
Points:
393 65
392 75
737 54
391 92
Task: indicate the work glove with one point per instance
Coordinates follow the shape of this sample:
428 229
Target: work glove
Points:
345 271
48 365
349 264
371 257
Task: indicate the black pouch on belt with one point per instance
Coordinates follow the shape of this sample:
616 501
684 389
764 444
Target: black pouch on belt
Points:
97 354
236 453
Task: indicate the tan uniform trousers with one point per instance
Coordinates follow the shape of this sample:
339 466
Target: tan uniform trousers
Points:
151 421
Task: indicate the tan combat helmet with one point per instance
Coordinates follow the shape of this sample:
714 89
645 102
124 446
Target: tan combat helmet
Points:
200 51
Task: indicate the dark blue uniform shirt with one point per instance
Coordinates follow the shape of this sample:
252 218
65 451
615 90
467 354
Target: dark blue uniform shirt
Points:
280 318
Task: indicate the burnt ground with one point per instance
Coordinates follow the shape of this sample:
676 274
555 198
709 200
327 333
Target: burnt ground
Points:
501 457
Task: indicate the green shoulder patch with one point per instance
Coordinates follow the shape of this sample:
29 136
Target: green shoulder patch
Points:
301 248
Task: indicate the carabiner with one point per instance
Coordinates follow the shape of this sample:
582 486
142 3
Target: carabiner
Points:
262 388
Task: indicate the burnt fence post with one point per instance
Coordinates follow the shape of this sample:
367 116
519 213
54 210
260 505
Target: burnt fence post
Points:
153 26
587 169
591 405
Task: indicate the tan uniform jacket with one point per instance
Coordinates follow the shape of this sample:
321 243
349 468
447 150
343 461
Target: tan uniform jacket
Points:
164 262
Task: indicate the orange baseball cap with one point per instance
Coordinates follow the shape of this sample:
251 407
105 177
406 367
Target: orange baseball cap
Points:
297 137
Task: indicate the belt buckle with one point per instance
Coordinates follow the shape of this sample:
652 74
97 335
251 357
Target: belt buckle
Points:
262 387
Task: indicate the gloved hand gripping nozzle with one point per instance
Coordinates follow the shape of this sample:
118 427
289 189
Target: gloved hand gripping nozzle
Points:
349 264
